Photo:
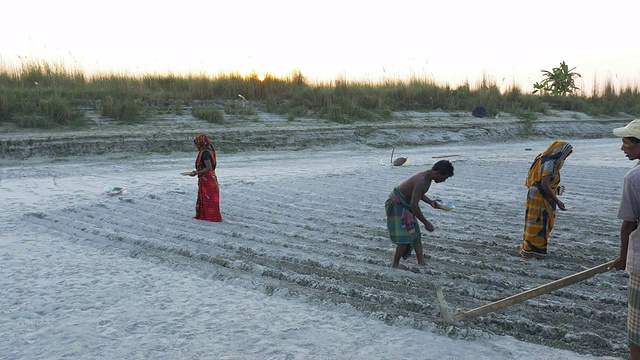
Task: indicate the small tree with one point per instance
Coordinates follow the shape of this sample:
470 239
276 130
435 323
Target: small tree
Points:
559 81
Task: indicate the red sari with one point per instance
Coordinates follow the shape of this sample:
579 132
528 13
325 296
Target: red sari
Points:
208 203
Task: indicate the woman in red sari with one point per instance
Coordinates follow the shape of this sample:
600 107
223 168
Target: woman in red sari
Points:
208 204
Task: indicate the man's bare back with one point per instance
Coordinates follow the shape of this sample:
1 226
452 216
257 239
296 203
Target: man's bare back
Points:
420 181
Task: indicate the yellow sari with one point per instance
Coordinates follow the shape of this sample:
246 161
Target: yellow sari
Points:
540 212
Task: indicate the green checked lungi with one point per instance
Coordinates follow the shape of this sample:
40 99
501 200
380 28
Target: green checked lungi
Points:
403 226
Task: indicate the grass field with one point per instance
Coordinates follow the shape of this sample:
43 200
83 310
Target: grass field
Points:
45 95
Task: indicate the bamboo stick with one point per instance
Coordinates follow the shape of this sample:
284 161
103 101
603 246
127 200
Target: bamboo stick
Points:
540 290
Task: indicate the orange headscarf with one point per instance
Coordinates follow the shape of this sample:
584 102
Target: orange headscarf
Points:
549 162
204 144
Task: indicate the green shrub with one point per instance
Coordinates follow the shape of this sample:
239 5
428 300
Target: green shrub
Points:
525 114
209 114
61 112
558 82
127 111
239 108
33 121
109 107
177 108
8 102
130 112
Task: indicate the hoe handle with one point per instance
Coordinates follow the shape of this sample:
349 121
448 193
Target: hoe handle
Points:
540 290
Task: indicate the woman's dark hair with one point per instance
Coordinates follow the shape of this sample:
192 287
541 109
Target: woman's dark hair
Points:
444 167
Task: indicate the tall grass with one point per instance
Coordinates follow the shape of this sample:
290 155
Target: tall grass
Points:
40 94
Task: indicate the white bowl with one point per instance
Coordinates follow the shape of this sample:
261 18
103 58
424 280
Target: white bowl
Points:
445 205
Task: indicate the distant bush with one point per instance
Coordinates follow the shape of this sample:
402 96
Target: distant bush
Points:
127 111
234 108
209 114
523 114
8 101
39 113
61 112
33 121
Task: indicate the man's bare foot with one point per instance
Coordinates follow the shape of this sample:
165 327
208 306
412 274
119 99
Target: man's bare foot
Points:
422 263
395 266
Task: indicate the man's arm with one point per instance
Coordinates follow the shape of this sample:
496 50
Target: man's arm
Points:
420 187
625 230
431 202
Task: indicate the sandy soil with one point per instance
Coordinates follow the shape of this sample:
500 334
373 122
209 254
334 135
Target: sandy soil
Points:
311 223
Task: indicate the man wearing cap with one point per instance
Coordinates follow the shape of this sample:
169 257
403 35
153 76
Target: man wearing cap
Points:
629 213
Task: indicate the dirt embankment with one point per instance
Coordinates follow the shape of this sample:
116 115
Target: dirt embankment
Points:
168 133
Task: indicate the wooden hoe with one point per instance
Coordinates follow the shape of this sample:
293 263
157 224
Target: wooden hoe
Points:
460 315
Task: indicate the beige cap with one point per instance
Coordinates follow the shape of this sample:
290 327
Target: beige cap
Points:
631 130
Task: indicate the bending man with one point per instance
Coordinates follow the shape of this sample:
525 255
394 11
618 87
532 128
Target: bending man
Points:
403 208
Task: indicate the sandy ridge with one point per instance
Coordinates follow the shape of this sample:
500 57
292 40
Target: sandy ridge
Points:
164 134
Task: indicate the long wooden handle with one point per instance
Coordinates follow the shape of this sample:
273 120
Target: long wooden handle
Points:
540 290
394 149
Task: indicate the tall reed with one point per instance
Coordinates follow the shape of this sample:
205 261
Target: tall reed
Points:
38 87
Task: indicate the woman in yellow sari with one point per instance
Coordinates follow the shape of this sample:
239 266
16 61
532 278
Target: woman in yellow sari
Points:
542 199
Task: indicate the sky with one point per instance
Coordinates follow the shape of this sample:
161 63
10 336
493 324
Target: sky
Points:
449 41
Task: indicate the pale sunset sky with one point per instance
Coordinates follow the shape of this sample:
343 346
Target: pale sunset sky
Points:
449 41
